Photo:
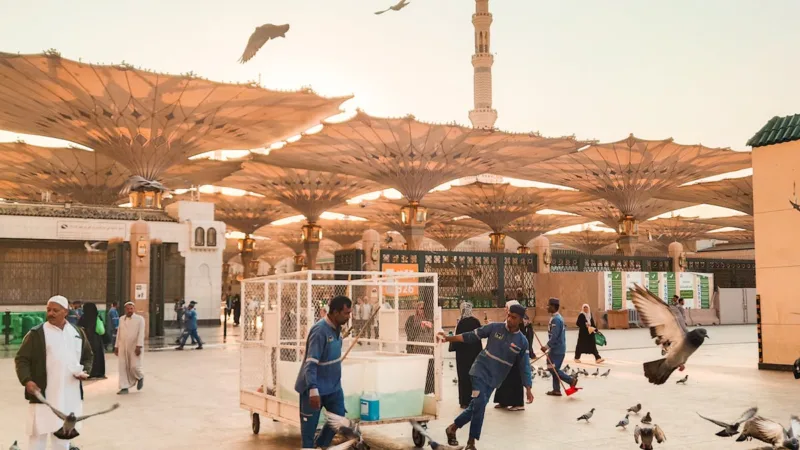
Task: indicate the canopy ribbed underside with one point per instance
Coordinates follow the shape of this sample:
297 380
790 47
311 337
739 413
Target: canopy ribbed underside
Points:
308 192
12 190
586 241
606 212
497 205
664 231
387 213
733 193
147 121
415 157
345 232
452 233
733 236
630 172
743 222
527 228
275 254
92 178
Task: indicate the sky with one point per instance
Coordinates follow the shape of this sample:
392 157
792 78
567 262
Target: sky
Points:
710 72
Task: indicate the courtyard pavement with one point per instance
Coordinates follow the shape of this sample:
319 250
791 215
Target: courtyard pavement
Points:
190 401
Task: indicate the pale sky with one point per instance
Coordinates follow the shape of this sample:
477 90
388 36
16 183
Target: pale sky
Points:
710 71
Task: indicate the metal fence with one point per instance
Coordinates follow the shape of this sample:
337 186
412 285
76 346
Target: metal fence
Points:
572 261
728 273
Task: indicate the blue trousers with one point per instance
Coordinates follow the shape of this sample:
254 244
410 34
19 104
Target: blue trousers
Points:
474 413
557 360
309 418
193 334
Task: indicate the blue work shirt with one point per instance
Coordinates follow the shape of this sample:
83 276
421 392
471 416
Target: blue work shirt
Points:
191 320
503 349
557 333
113 318
322 369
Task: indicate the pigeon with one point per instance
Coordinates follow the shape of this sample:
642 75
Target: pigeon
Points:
732 429
635 409
682 380
647 420
347 428
545 375
400 5
646 434
451 364
138 183
587 416
771 432
67 430
566 368
623 423
14 446
260 37
796 369
585 373
606 373
455 380
596 373
434 445
92 248
668 328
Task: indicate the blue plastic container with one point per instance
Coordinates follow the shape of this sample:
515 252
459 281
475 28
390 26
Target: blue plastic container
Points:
370 408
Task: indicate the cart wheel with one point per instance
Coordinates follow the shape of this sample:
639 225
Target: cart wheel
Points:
256 423
417 437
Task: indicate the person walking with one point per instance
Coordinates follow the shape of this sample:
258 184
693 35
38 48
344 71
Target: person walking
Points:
510 394
586 330
319 381
557 346
237 309
191 328
112 321
419 329
53 359
505 345
129 349
465 353
94 330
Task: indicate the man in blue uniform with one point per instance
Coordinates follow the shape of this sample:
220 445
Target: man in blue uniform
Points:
319 382
557 345
505 346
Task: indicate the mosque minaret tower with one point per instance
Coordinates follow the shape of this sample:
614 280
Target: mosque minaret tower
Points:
482 115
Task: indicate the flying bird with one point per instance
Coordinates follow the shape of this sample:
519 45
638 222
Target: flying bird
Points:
67 430
670 332
646 434
682 380
794 203
400 5
635 409
772 432
347 428
139 183
260 37
731 429
434 445
606 373
587 416
623 423
92 248
647 420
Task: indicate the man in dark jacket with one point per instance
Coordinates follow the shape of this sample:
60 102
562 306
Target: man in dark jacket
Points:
53 359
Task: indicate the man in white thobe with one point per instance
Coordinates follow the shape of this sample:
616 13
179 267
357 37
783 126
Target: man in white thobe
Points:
129 349
53 359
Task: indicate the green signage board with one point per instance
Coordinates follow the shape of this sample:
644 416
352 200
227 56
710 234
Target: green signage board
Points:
704 292
652 282
616 290
672 287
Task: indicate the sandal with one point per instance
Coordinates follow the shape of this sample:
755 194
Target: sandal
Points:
554 393
498 406
451 437
599 361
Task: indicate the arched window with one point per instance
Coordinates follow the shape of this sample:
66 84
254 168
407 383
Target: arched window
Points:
211 237
199 237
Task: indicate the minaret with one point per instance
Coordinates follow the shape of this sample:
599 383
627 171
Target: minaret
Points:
482 115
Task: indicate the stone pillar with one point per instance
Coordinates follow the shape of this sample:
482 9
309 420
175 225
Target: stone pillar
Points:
541 247
413 217
140 270
371 243
675 251
312 235
497 242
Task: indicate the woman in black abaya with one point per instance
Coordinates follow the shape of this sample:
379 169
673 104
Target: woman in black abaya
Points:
89 323
465 353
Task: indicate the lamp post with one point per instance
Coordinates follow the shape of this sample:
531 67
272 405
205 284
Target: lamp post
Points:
312 236
413 217
628 235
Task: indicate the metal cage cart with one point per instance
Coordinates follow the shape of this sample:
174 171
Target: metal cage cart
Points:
396 360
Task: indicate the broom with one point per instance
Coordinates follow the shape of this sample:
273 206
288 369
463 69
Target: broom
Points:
358 336
568 390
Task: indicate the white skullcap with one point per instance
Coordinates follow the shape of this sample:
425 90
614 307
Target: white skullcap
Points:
129 303
60 300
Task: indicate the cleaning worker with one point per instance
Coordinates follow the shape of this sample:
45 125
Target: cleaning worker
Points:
505 346
557 347
319 382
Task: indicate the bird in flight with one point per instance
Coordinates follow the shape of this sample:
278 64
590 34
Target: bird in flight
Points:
260 37
400 5
67 430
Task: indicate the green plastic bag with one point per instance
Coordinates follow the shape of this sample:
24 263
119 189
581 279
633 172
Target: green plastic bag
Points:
100 328
599 339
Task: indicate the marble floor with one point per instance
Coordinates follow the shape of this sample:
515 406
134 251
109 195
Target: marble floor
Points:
190 401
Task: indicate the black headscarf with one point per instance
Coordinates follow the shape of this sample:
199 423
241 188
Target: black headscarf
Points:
89 319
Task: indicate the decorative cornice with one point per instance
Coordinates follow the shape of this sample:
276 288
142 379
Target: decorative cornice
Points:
83 212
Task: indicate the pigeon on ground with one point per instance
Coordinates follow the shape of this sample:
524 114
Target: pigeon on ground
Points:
647 420
434 445
771 432
260 37
545 375
587 416
668 328
455 380
92 248
67 430
400 5
646 434
566 368
623 423
635 409
585 373
682 380
596 373
14 446
451 364
347 428
731 429
606 373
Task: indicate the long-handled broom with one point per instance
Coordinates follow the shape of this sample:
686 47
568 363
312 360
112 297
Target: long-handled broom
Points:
568 390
